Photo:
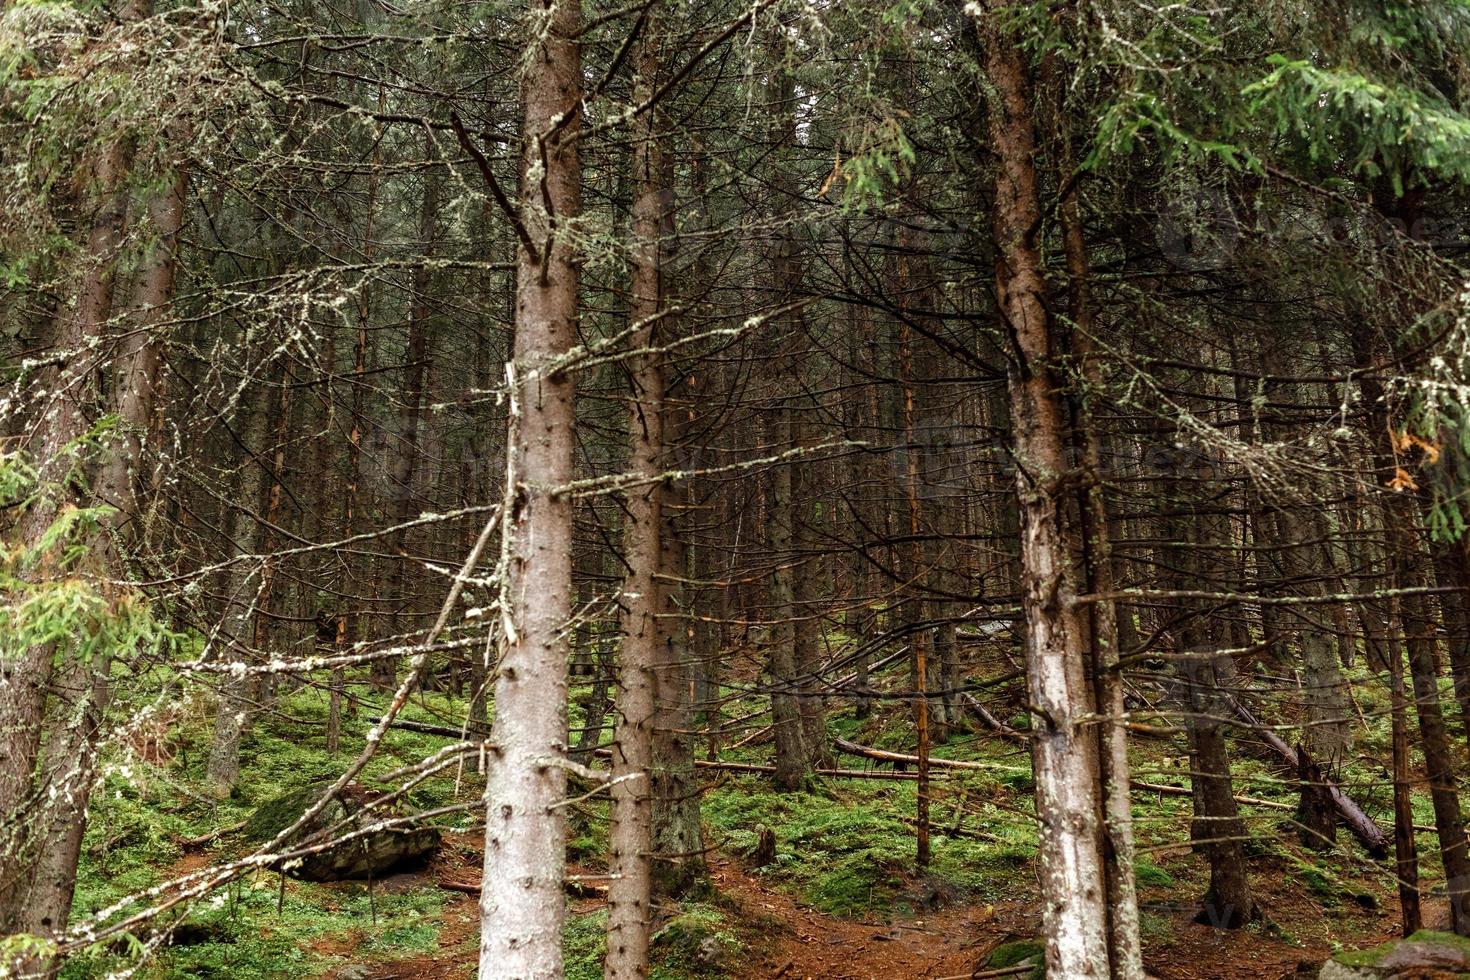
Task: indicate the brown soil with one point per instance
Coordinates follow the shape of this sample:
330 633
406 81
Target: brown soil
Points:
804 944
789 941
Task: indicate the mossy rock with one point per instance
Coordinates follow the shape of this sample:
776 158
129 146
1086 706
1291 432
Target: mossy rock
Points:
695 943
1426 952
371 856
1019 953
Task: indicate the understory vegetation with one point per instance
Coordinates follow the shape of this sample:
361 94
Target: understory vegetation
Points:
734 488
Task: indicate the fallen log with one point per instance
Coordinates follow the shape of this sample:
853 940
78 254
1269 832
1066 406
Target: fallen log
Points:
573 887
192 842
991 722
1353 817
882 755
756 767
1164 789
830 773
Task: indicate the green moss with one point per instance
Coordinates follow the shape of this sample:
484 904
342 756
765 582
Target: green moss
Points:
848 848
1017 953
584 943
681 947
1148 873
1371 957
698 942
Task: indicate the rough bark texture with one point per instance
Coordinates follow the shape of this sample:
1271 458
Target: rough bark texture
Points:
1405 560
521 905
1064 753
630 827
1118 848
40 833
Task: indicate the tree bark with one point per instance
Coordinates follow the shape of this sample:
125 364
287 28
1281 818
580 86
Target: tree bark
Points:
630 823
1075 921
521 907
410 413
1405 558
1102 622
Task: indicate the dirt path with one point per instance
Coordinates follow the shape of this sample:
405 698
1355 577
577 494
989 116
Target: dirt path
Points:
804 944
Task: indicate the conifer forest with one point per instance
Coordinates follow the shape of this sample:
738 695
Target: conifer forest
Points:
734 489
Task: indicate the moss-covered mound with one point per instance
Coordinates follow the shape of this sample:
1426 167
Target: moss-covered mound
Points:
1425 953
369 855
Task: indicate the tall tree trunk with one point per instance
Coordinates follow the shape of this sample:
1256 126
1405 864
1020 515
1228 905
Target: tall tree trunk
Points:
630 824
1196 534
1405 561
1103 621
807 653
1069 798
247 588
1405 852
410 413
521 905
914 613
785 273
678 842
40 833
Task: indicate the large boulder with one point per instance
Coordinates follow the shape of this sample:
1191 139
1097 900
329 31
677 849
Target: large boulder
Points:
372 855
1424 954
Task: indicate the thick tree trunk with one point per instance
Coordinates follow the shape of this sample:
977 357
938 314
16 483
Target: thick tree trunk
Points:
1069 798
521 906
72 743
40 832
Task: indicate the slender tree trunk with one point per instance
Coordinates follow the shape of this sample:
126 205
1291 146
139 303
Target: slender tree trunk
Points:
1405 851
247 587
679 867
410 414
809 629
630 826
521 905
1197 533
914 611
1405 560
678 851
1103 623
791 754
783 434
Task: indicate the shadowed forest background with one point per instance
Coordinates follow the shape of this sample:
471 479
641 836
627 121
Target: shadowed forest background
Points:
772 488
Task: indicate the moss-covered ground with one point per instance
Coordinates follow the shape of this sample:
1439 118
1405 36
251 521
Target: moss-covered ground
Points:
844 847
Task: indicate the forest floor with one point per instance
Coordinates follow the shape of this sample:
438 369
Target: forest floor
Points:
782 938
841 900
